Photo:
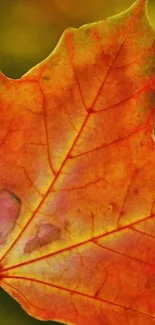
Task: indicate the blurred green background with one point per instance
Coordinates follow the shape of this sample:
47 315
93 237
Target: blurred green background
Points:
29 31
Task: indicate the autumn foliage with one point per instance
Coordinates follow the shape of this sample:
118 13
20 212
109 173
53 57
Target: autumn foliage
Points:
77 177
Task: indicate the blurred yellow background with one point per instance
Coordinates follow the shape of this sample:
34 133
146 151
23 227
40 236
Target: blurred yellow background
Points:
30 29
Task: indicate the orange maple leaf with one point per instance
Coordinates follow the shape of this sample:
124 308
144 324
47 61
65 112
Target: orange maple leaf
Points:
77 177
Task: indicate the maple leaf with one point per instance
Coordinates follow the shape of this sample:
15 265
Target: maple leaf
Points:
77 177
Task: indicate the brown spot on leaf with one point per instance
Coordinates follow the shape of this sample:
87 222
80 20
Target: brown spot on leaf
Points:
45 78
136 191
10 206
122 213
46 234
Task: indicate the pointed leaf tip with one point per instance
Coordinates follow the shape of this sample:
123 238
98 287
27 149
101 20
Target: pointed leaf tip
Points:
140 5
143 3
